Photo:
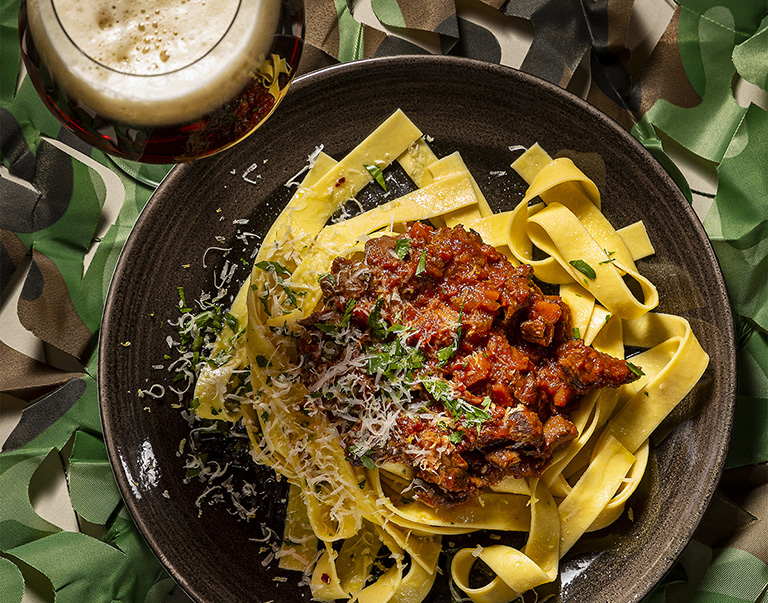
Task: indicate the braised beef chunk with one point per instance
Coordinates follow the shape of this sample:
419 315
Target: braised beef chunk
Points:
435 351
447 469
558 431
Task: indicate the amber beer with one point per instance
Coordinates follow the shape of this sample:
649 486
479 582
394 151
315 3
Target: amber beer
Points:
161 81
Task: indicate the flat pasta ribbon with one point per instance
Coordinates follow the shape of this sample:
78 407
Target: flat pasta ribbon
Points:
516 571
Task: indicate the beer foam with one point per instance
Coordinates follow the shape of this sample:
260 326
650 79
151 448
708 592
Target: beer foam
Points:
145 37
153 62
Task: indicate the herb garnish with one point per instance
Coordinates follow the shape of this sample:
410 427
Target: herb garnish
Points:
375 172
394 358
267 265
183 308
440 390
422 262
377 326
446 353
332 329
363 454
280 271
635 369
584 268
402 247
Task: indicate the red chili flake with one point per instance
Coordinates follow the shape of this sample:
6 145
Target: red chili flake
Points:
341 181
326 578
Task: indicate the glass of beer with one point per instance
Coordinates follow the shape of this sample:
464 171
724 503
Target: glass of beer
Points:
161 81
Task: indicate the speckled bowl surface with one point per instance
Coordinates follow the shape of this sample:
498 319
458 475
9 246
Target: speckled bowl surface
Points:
480 110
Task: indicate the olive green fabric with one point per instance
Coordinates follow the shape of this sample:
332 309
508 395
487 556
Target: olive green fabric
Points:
676 93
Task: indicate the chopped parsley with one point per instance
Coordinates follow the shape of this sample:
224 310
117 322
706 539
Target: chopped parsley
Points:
280 272
584 268
329 276
636 370
363 454
264 299
441 391
375 172
394 360
576 333
472 415
232 322
446 353
402 247
332 329
291 294
422 262
183 308
377 326
449 351
277 267
347 313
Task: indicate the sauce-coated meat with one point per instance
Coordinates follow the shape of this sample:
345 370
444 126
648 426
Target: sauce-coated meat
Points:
434 350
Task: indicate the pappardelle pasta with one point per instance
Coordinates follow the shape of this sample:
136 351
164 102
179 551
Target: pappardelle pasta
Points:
347 502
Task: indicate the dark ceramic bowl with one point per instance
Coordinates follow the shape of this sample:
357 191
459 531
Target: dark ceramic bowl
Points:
481 110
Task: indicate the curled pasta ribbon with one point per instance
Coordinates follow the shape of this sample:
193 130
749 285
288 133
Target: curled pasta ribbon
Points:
547 270
615 507
558 232
344 574
516 571
673 365
571 229
285 439
560 181
593 491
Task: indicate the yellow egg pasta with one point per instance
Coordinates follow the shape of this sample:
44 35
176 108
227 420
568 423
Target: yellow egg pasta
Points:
341 515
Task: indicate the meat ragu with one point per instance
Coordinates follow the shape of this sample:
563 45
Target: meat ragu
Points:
433 350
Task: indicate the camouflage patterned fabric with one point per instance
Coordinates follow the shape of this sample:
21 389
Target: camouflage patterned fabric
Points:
673 74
